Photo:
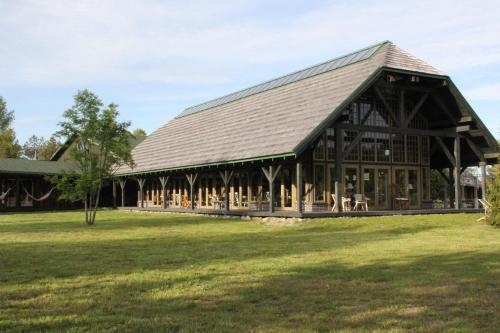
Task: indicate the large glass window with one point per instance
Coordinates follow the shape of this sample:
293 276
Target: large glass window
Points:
425 150
369 183
330 144
398 148
349 137
350 182
368 146
319 182
383 146
319 149
412 149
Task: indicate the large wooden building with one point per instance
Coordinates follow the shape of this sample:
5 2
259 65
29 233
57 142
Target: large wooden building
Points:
358 132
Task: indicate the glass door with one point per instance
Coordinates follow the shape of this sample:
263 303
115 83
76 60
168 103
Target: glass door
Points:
350 181
369 185
376 186
414 187
406 184
382 200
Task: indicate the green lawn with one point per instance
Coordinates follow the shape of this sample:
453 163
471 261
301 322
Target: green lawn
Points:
156 272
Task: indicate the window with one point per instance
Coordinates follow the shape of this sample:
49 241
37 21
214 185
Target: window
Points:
383 145
368 146
330 144
319 149
425 150
412 149
349 137
398 148
319 182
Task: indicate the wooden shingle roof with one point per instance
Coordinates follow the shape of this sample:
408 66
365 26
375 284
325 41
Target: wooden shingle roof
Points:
266 120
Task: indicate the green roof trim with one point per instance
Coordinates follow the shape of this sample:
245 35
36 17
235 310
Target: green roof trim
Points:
33 167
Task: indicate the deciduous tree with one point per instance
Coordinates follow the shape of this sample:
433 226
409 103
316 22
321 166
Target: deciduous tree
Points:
101 145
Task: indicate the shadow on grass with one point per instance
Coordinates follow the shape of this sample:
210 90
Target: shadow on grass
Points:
31 261
437 293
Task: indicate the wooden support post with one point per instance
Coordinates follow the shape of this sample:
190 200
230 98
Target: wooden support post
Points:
141 182
164 182
456 150
271 176
122 183
476 202
339 157
450 187
114 194
226 178
402 112
484 187
191 179
299 186
18 192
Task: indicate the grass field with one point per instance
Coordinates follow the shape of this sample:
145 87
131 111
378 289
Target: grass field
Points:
135 272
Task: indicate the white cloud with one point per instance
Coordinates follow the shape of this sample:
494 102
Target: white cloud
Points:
488 92
200 42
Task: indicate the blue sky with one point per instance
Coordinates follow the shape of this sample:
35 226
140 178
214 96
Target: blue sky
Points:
155 58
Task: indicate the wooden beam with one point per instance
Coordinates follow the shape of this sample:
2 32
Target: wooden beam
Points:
123 182
492 155
271 174
465 119
299 186
443 107
226 178
415 109
191 178
484 185
386 105
446 151
456 150
463 128
402 111
444 132
141 182
476 132
164 182
475 149
114 194
365 118
353 144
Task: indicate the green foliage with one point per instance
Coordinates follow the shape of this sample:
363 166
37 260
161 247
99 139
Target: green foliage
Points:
31 149
48 149
493 196
139 133
9 146
101 144
438 185
6 117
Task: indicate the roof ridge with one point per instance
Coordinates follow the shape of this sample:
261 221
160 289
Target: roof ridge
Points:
365 53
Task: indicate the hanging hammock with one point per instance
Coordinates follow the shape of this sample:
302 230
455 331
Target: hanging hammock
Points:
42 198
4 194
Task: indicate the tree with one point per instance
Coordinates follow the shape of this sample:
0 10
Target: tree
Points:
49 148
32 147
9 146
139 133
6 117
101 145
